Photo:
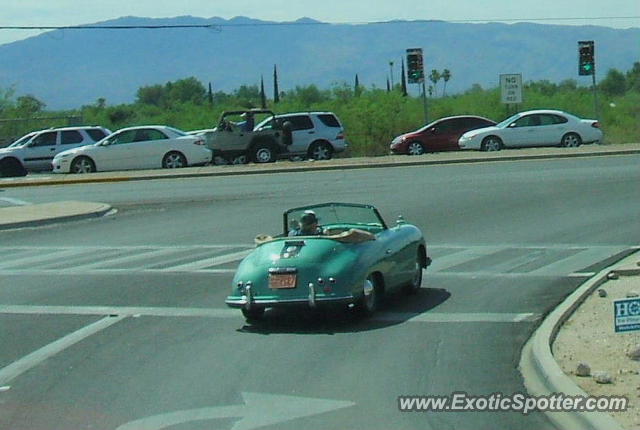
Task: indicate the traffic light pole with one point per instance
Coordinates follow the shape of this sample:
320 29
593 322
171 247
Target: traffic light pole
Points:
596 107
424 100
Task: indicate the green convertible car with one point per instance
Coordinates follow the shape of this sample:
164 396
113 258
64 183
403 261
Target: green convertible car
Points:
331 253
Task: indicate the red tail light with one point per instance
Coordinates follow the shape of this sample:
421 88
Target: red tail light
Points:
595 124
340 136
199 142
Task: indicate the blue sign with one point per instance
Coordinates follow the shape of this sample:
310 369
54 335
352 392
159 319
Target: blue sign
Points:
626 314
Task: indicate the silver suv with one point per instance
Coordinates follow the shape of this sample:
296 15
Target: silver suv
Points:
316 135
36 150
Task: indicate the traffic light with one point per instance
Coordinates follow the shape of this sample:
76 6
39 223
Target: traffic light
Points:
415 66
587 65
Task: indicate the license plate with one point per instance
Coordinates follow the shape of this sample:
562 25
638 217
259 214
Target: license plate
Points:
279 281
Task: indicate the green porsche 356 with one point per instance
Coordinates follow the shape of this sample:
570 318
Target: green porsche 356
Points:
352 258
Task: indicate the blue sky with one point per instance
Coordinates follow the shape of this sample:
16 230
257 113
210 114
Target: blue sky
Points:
75 12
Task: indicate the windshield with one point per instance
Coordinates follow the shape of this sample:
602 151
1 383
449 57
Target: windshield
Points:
336 214
508 121
23 140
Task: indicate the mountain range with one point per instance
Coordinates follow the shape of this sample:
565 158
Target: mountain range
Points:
69 68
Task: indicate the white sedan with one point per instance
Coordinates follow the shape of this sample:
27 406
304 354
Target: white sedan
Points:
534 128
147 147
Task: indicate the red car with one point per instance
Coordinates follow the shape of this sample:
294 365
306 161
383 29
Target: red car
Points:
440 135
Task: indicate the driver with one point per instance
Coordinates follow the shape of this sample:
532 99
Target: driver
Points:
308 225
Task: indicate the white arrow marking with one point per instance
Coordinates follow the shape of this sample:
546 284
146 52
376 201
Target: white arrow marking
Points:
259 410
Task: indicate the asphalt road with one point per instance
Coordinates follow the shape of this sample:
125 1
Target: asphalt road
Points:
120 323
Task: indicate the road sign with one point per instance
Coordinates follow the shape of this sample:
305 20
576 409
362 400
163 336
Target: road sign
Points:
511 88
626 314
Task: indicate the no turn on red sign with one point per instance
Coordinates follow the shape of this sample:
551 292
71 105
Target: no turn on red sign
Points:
511 88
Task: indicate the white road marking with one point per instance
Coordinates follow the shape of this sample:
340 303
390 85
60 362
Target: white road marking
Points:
580 260
148 253
440 317
209 262
8 262
464 255
98 271
258 410
28 362
16 202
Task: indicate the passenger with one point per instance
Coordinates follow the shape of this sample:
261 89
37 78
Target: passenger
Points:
308 225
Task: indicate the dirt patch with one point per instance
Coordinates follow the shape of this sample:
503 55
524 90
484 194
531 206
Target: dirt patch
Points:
588 336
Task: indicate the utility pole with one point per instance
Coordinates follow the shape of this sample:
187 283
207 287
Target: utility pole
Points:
415 74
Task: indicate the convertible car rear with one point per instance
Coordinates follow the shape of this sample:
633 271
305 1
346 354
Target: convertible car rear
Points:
355 261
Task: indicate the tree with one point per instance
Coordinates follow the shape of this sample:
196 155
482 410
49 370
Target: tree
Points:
388 85
186 90
263 97
151 95
434 77
210 95
356 86
633 77
615 83
276 91
446 75
404 81
29 105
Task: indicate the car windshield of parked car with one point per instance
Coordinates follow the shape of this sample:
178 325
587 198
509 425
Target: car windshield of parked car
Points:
23 140
337 214
508 121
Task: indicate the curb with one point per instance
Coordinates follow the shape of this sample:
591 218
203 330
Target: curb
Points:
357 165
101 210
542 374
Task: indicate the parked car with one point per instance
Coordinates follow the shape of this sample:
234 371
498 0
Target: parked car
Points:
355 260
534 128
36 150
316 135
145 147
440 135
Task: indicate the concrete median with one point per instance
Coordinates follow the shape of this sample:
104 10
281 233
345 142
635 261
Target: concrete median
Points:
49 213
441 158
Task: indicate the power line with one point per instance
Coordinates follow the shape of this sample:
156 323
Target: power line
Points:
304 23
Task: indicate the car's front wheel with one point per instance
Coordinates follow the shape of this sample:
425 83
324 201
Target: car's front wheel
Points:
491 143
11 167
416 281
415 148
571 140
368 303
264 153
83 165
174 160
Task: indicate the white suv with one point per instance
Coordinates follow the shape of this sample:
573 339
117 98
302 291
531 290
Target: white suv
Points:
316 135
36 150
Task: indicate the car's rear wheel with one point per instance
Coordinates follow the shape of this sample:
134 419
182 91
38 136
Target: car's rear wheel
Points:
415 148
491 143
264 153
321 151
368 303
174 160
83 165
11 167
416 281
571 140
253 314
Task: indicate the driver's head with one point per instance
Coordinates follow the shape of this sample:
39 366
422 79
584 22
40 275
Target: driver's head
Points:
308 222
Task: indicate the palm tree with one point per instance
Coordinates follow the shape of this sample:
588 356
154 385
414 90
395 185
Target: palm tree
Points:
446 75
434 77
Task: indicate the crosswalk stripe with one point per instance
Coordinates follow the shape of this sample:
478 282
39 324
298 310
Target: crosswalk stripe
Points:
210 262
39 259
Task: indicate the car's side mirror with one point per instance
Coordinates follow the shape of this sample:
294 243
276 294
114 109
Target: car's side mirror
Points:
512 125
433 130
